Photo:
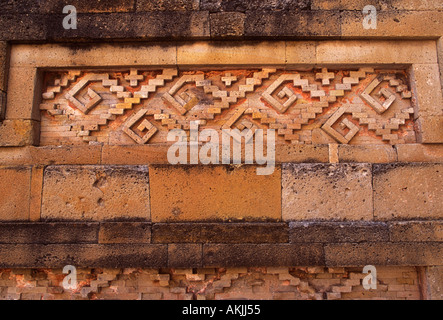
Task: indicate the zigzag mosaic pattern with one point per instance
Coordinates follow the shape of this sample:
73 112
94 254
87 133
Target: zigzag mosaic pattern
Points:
141 106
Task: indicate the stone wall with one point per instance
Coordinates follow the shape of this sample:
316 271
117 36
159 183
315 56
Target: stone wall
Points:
85 179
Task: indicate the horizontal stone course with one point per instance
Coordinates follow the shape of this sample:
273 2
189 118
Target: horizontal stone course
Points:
43 244
219 232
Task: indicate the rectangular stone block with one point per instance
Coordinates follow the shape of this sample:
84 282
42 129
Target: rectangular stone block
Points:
326 192
420 152
404 231
17 133
66 154
394 24
292 23
244 53
45 233
227 24
328 232
83 255
15 194
301 153
430 129
385 254
408 191
12 156
219 232
24 94
136 154
50 55
96 193
427 88
388 52
185 255
213 193
367 153
124 232
301 52
262 255
167 5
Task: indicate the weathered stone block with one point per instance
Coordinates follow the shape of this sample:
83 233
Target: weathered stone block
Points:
219 232
182 255
394 24
205 193
301 153
385 254
260 255
14 198
326 192
45 233
17 133
227 24
96 193
13 156
243 53
167 5
124 232
338 232
83 255
292 23
416 231
86 154
419 152
24 91
136 154
408 191
367 153
430 129
353 51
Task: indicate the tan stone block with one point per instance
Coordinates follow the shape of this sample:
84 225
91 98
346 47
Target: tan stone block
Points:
427 89
367 153
300 52
19 132
24 91
420 152
415 5
52 55
326 5
326 192
14 197
301 153
394 24
95 193
377 51
86 154
243 53
35 201
205 193
137 154
408 191
430 129
10 156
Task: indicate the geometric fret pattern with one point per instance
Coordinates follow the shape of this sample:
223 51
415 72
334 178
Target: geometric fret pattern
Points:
141 106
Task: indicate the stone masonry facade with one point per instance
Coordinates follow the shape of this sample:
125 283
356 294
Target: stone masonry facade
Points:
85 178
